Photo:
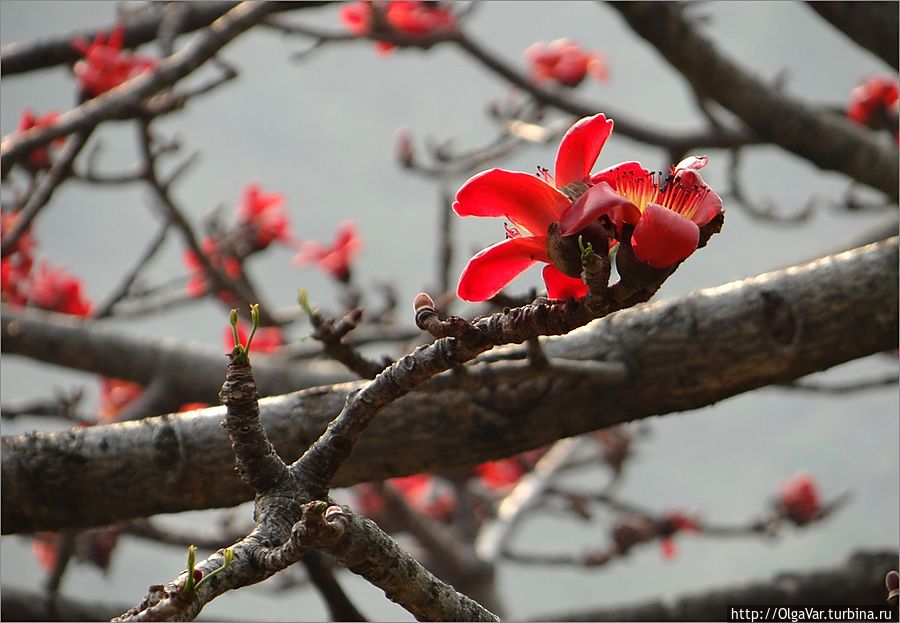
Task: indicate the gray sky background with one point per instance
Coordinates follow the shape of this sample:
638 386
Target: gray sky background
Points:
322 131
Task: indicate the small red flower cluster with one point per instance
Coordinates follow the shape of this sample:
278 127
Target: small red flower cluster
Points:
115 395
39 157
196 285
262 220
565 62
104 65
264 214
798 499
335 259
48 288
16 266
874 103
407 17
666 212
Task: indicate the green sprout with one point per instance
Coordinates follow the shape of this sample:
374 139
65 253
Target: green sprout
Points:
191 584
303 300
587 250
242 352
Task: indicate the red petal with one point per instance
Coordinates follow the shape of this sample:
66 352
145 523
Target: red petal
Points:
580 147
492 268
600 199
663 237
621 171
711 204
561 286
527 201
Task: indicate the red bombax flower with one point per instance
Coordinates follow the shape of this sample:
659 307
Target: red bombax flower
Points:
15 268
425 494
265 340
405 16
667 212
39 157
105 66
336 259
671 524
798 499
56 290
874 103
115 395
500 474
196 285
265 214
565 62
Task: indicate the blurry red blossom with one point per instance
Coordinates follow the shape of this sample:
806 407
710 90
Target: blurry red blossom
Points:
104 65
426 494
196 285
15 267
94 545
798 499
408 17
266 339
672 523
192 406
115 395
54 289
500 474
265 214
335 259
565 62
39 157
874 103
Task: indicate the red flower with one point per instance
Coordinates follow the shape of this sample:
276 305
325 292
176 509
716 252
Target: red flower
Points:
266 339
500 474
565 62
667 211
192 406
418 19
425 494
531 203
671 524
39 157
265 214
15 268
105 66
115 395
54 289
337 258
196 285
798 499
874 103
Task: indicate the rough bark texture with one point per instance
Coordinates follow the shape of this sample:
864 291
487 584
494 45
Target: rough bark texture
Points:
825 139
873 25
192 372
681 354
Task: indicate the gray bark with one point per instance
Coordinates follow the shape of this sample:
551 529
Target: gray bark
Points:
679 354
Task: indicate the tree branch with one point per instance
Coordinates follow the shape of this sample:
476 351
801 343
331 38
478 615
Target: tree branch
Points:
16 58
825 139
719 342
873 25
857 582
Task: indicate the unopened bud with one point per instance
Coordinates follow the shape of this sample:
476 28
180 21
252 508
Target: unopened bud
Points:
404 148
422 301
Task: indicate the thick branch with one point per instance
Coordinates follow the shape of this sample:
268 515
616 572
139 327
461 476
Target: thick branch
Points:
873 25
823 138
194 371
166 73
857 582
681 354
16 58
